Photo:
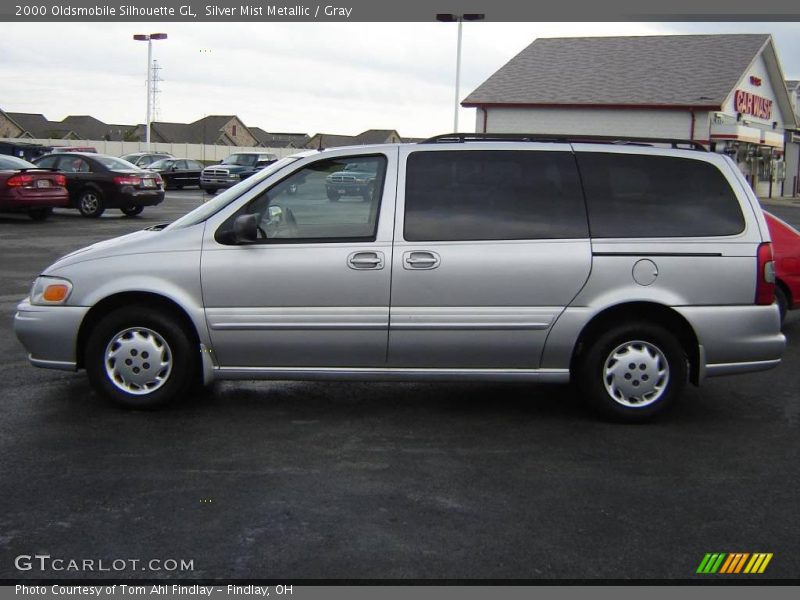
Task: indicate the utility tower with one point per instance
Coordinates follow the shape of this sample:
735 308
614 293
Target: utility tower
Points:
155 89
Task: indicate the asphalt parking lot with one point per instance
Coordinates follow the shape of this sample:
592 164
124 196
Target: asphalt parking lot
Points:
294 480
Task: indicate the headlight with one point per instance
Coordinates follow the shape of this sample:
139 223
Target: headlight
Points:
50 290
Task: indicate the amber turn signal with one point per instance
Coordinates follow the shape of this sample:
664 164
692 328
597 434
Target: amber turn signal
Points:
55 292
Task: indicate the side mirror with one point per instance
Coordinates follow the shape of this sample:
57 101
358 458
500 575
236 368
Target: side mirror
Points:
245 229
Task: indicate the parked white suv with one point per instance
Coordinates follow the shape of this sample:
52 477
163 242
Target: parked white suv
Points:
628 268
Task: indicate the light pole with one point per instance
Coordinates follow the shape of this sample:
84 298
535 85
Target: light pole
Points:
149 37
451 18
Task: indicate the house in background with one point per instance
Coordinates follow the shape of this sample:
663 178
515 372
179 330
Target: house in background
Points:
215 130
89 128
37 126
9 128
163 131
279 140
370 136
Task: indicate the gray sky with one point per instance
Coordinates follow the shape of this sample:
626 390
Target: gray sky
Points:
304 77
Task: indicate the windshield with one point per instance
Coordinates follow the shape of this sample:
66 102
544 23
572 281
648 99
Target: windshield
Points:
243 160
212 207
114 163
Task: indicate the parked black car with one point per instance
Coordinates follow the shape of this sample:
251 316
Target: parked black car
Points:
177 172
98 181
145 159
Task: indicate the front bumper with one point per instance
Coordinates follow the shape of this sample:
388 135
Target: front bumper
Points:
131 196
349 189
49 333
219 183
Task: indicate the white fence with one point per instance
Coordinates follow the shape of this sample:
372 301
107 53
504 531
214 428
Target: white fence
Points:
204 152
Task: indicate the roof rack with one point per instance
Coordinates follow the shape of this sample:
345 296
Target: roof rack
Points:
563 139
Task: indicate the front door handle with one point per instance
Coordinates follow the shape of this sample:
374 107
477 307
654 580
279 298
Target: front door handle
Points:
365 260
421 260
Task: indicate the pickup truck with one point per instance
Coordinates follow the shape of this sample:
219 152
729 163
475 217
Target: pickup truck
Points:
233 169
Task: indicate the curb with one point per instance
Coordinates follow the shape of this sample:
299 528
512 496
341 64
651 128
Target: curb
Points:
783 201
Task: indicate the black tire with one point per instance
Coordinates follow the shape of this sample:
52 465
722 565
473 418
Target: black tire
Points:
40 214
333 195
146 328
90 203
612 393
782 300
132 211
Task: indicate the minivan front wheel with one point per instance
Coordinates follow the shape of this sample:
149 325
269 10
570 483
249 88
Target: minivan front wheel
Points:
140 358
633 372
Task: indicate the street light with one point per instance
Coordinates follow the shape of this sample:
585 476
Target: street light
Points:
139 37
451 18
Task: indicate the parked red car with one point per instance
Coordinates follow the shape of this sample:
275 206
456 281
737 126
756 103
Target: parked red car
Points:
24 187
786 254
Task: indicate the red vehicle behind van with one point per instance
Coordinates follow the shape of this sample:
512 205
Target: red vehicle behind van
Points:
786 254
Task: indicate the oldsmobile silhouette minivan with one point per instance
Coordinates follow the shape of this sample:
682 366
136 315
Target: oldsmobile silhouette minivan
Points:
629 268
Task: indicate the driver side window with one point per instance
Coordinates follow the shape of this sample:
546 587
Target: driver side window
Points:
329 200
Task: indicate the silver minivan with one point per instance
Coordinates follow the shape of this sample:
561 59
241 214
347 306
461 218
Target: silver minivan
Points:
630 269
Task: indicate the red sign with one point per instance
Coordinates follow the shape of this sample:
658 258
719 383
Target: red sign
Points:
755 80
750 104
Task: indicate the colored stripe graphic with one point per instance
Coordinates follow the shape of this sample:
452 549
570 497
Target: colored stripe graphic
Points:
704 563
734 563
711 562
727 564
765 563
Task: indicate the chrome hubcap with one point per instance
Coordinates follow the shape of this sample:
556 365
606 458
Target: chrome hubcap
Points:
138 361
89 202
636 374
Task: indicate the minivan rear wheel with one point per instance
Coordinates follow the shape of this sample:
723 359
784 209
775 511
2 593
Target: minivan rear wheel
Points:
141 358
633 371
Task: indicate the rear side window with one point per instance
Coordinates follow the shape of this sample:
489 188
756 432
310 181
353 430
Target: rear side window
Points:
631 196
48 162
493 195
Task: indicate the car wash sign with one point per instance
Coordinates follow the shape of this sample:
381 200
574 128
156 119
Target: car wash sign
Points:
750 104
